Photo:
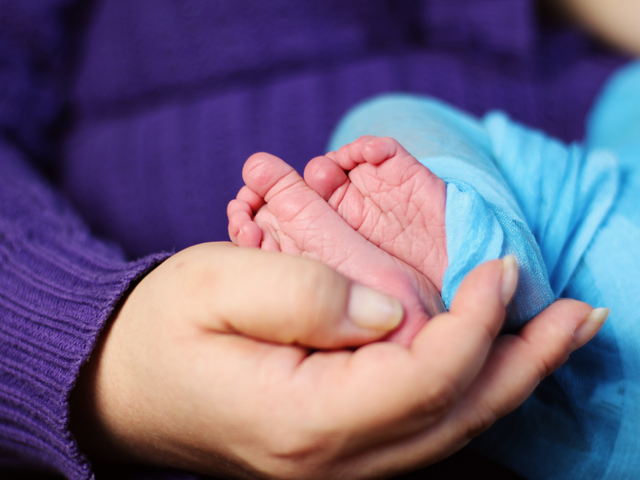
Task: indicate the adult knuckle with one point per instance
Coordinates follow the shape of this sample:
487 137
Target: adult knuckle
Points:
303 454
438 399
315 290
480 421
297 448
545 367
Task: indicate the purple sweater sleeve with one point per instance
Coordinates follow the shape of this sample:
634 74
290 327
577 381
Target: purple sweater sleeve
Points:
58 284
58 287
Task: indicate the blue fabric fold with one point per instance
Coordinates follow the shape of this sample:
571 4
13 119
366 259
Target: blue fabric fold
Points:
563 191
457 148
583 422
570 214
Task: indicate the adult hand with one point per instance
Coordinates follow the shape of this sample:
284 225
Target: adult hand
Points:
614 21
212 365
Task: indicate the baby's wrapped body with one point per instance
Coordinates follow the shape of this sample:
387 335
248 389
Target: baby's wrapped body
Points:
509 190
569 214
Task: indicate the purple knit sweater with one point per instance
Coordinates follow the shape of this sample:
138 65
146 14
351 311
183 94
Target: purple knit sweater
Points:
124 127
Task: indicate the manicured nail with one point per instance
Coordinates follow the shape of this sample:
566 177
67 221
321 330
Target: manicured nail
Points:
374 310
509 277
589 327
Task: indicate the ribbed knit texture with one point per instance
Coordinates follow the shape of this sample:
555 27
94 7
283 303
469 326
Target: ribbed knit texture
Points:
58 286
142 114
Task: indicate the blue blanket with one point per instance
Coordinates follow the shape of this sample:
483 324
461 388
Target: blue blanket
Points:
570 215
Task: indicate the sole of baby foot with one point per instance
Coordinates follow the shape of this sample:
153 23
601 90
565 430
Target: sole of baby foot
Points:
389 197
305 224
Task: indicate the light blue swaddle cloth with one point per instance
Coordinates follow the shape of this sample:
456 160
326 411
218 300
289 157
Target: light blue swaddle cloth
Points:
571 215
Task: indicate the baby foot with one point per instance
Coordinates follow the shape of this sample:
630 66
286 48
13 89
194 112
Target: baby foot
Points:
388 197
276 210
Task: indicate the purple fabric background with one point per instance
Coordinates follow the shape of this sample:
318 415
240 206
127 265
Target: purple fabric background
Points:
139 116
169 98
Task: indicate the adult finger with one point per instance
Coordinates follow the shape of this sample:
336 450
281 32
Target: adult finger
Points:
408 389
384 397
514 366
243 231
518 363
461 339
513 369
285 299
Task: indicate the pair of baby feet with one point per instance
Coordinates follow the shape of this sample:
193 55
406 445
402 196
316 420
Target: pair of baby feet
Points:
370 210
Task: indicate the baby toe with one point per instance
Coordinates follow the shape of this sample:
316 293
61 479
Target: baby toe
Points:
324 176
349 156
239 214
251 198
262 172
249 235
378 149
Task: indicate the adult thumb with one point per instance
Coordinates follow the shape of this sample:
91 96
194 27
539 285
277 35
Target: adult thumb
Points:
292 300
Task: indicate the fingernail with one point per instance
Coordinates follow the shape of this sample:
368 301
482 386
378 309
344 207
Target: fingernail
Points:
509 277
589 327
374 310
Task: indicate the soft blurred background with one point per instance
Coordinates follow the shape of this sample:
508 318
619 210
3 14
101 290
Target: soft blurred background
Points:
143 112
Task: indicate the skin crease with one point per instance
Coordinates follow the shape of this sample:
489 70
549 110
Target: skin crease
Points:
190 374
364 224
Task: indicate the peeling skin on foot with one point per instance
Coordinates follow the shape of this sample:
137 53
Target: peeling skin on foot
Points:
369 210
